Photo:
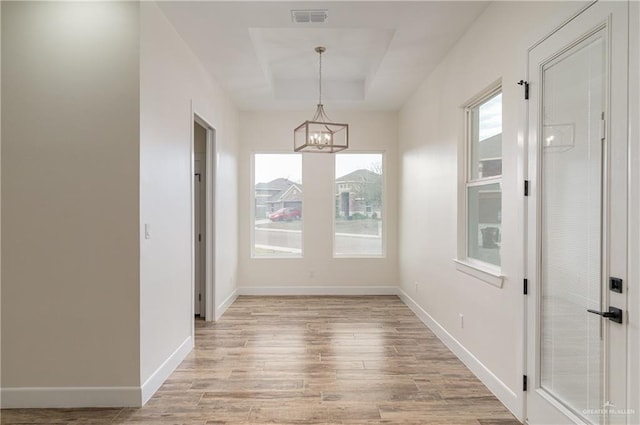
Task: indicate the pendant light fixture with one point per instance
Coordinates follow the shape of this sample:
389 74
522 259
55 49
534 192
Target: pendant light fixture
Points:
319 134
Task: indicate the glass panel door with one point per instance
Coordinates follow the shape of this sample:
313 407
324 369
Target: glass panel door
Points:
571 340
577 165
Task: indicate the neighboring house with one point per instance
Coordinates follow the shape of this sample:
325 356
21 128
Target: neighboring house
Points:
359 192
276 194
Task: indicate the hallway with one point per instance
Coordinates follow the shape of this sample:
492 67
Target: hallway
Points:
308 360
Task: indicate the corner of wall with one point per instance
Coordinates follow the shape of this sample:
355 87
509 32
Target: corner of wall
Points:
224 305
175 87
157 378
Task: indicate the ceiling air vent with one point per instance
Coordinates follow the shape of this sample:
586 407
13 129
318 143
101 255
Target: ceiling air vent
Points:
315 16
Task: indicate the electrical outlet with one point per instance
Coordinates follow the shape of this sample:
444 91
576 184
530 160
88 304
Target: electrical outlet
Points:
416 285
312 274
461 321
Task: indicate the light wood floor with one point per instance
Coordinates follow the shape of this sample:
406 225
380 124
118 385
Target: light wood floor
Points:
308 360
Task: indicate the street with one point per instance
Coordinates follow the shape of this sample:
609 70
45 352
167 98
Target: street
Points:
290 241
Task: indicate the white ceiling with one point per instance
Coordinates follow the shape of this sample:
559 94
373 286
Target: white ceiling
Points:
377 52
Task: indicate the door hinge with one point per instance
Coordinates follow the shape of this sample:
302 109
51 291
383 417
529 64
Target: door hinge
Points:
199 297
526 287
199 237
526 88
526 188
524 382
603 127
197 175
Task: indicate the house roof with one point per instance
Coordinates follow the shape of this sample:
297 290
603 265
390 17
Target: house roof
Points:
293 193
275 185
280 190
361 175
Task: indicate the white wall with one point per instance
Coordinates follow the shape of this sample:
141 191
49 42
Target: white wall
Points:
98 111
273 132
172 80
430 127
70 311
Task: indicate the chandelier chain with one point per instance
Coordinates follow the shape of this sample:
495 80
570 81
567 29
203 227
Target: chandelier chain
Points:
320 134
320 80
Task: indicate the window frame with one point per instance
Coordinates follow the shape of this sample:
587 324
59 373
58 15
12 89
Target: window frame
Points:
252 202
485 271
383 254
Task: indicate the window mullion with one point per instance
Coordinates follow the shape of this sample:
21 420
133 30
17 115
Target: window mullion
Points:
483 182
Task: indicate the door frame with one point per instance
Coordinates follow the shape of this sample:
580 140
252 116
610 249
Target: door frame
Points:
210 246
633 210
200 246
633 270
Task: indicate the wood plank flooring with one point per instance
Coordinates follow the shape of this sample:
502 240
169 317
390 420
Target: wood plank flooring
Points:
307 360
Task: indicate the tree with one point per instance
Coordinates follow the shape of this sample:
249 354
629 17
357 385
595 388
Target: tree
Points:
360 191
370 188
372 185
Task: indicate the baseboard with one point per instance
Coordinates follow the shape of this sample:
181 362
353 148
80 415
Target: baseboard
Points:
70 397
491 381
317 290
222 308
76 397
157 378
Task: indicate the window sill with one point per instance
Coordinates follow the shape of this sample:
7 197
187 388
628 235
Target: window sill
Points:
485 272
276 257
357 257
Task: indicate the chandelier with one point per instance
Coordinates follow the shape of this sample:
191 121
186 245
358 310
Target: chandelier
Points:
319 134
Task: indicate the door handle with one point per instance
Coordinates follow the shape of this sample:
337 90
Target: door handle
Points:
614 314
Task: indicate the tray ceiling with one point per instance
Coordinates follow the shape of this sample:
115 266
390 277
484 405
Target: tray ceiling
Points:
377 52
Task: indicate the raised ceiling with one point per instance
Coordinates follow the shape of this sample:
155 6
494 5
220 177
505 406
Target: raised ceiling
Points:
377 52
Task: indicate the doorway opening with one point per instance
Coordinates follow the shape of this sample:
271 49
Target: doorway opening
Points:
203 228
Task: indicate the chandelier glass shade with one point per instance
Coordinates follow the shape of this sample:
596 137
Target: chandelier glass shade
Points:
319 134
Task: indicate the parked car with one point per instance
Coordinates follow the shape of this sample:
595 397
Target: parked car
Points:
286 214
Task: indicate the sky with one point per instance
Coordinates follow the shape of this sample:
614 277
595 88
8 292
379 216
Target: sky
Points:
269 167
490 118
346 163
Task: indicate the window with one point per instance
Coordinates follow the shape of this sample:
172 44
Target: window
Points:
277 229
483 188
359 209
